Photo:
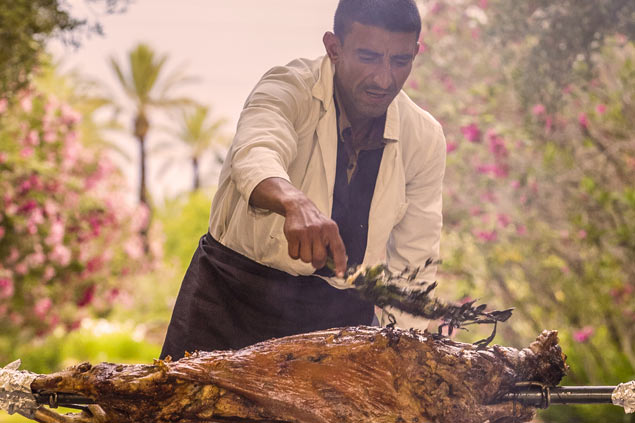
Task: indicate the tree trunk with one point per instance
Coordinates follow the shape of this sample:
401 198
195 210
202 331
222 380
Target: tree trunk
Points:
141 129
197 173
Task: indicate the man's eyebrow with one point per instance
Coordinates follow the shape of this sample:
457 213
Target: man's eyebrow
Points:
403 56
368 52
373 53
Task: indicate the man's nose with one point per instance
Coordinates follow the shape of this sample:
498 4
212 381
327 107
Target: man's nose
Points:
383 77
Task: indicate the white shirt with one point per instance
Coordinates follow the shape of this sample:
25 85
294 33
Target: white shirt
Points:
288 129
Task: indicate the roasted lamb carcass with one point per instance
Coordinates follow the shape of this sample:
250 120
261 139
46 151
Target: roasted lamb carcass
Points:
357 374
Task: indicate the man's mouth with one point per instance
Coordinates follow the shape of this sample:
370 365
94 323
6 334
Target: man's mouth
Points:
376 95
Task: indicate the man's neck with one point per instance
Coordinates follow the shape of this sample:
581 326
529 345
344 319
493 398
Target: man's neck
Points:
357 123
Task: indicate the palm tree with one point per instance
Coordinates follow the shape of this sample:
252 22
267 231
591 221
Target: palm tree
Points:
142 85
198 133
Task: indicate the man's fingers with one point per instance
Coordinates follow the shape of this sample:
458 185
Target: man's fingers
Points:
306 249
336 245
319 253
294 248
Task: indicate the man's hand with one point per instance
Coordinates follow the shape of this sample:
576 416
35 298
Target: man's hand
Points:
311 236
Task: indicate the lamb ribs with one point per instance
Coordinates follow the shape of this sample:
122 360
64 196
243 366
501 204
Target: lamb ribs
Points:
355 374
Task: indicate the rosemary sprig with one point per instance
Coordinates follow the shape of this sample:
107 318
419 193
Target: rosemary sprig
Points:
385 288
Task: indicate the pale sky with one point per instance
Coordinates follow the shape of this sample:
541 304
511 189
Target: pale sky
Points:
228 44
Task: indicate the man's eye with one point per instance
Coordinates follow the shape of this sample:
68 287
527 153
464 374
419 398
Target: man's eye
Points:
402 62
368 59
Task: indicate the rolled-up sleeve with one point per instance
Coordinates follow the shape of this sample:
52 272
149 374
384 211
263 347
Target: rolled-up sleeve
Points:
266 137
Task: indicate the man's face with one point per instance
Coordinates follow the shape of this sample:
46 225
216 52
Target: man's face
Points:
371 66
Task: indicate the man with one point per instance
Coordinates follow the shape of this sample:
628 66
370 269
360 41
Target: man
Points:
330 159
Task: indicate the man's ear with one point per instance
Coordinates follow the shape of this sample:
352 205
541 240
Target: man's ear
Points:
333 46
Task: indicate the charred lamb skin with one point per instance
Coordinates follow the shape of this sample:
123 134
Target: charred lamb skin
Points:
355 374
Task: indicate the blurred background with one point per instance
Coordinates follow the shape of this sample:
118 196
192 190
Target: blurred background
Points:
116 115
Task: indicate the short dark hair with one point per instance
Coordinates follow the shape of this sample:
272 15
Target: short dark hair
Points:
392 15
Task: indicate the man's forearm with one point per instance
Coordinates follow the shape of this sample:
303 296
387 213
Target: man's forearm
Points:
277 195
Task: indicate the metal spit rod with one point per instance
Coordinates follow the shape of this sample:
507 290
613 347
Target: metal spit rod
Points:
541 396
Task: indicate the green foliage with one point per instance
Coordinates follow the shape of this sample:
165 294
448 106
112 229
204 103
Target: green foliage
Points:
24 27
558 40
538 212
184 221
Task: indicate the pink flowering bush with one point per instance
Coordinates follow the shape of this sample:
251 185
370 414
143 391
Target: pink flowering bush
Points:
66 234
539 202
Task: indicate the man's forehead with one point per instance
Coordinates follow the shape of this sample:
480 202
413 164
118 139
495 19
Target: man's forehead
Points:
369 32
378 39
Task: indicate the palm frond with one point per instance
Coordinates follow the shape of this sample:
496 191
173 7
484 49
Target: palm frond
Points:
128 89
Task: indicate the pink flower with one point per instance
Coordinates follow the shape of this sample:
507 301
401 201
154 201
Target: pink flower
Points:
14 255
482 4
475 211
87 296
26 103
42 307
504 220
413 84
600 108
436 7
582 234
6 288
16 318
489 197
498 171
497 145
4 105
49 136
140 218
538 110
471 132
69 116
2 232
134 248
548 123
583 334
3 157
36 259
50 208
515 184
521 230
49 272
61 255
32 138
422 47
451 146
56 234
26 152
583 121
94 264
486 236
21 268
